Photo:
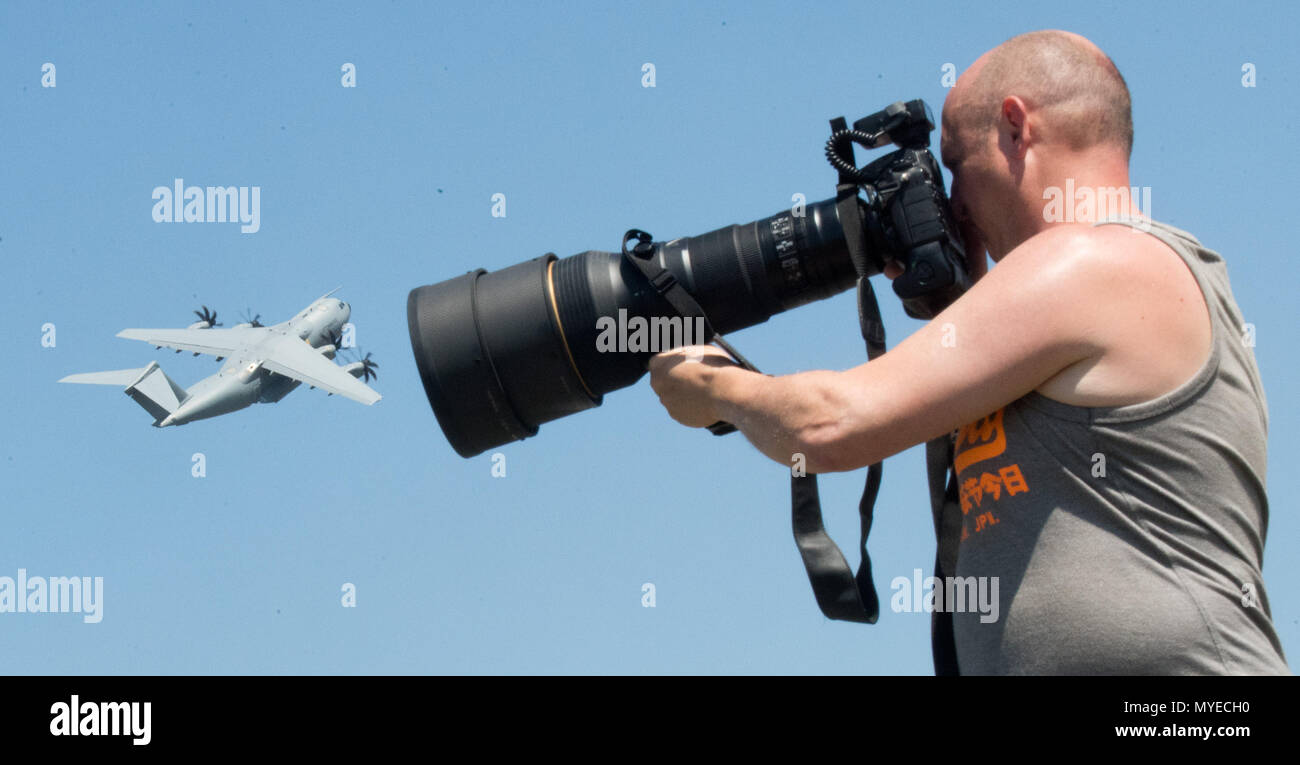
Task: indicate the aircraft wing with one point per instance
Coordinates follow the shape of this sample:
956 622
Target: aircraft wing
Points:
218 342
294 358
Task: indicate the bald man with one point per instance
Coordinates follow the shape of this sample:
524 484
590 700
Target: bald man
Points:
1107 420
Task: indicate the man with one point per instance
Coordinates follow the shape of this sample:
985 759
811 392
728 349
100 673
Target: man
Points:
1112 444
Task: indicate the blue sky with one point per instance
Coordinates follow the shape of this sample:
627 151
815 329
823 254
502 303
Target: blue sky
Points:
387 186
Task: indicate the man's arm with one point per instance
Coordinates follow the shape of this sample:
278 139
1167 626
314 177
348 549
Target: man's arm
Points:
1029 318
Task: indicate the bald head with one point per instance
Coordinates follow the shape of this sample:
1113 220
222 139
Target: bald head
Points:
1076 89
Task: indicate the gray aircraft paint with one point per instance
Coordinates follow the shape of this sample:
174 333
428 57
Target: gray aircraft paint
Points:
262 364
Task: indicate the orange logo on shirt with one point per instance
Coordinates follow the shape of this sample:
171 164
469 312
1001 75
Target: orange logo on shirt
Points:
974 490
982 440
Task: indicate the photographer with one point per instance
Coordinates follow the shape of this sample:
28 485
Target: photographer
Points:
1102 340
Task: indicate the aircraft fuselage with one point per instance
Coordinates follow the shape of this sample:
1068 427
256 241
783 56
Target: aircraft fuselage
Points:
243 381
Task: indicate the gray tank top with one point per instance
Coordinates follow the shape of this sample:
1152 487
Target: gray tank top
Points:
1129 539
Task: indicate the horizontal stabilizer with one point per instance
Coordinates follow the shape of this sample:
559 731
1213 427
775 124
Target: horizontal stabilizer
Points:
121 378
148 386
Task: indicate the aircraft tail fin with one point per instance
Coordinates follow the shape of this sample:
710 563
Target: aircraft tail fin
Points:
149 386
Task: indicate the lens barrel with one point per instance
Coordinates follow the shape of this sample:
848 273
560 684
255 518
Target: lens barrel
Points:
502 352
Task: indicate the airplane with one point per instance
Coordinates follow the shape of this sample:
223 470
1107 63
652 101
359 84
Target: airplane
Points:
263 364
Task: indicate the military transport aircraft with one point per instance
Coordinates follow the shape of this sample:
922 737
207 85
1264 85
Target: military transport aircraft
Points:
263 364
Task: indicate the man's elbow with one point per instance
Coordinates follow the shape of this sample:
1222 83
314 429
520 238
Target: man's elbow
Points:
830 448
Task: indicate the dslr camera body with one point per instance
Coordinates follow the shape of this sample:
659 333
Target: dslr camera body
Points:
906 214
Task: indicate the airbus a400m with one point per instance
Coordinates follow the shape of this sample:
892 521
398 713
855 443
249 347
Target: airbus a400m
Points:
263 364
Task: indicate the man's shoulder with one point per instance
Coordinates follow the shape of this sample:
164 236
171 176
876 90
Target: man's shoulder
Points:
1129 297
1079 250
1077 265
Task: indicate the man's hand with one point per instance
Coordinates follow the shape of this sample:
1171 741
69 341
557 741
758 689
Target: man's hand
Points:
683 379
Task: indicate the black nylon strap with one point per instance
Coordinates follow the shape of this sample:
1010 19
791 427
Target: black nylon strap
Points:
643 257
839 593
846 204
944 504
682 301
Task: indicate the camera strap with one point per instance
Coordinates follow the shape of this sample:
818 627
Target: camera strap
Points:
839 593
643 256
945 506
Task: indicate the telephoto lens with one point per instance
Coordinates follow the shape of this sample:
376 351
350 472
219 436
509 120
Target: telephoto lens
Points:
502 352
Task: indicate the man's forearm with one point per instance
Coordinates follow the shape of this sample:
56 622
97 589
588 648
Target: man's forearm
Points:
802 413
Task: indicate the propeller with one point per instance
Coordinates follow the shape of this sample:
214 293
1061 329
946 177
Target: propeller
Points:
208 316
255 321
336 340
368 368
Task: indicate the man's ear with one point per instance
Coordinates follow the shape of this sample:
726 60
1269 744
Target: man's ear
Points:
1014 125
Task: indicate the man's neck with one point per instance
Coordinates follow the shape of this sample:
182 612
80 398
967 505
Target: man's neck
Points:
1086 187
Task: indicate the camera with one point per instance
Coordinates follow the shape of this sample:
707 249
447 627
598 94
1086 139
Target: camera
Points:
502 352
